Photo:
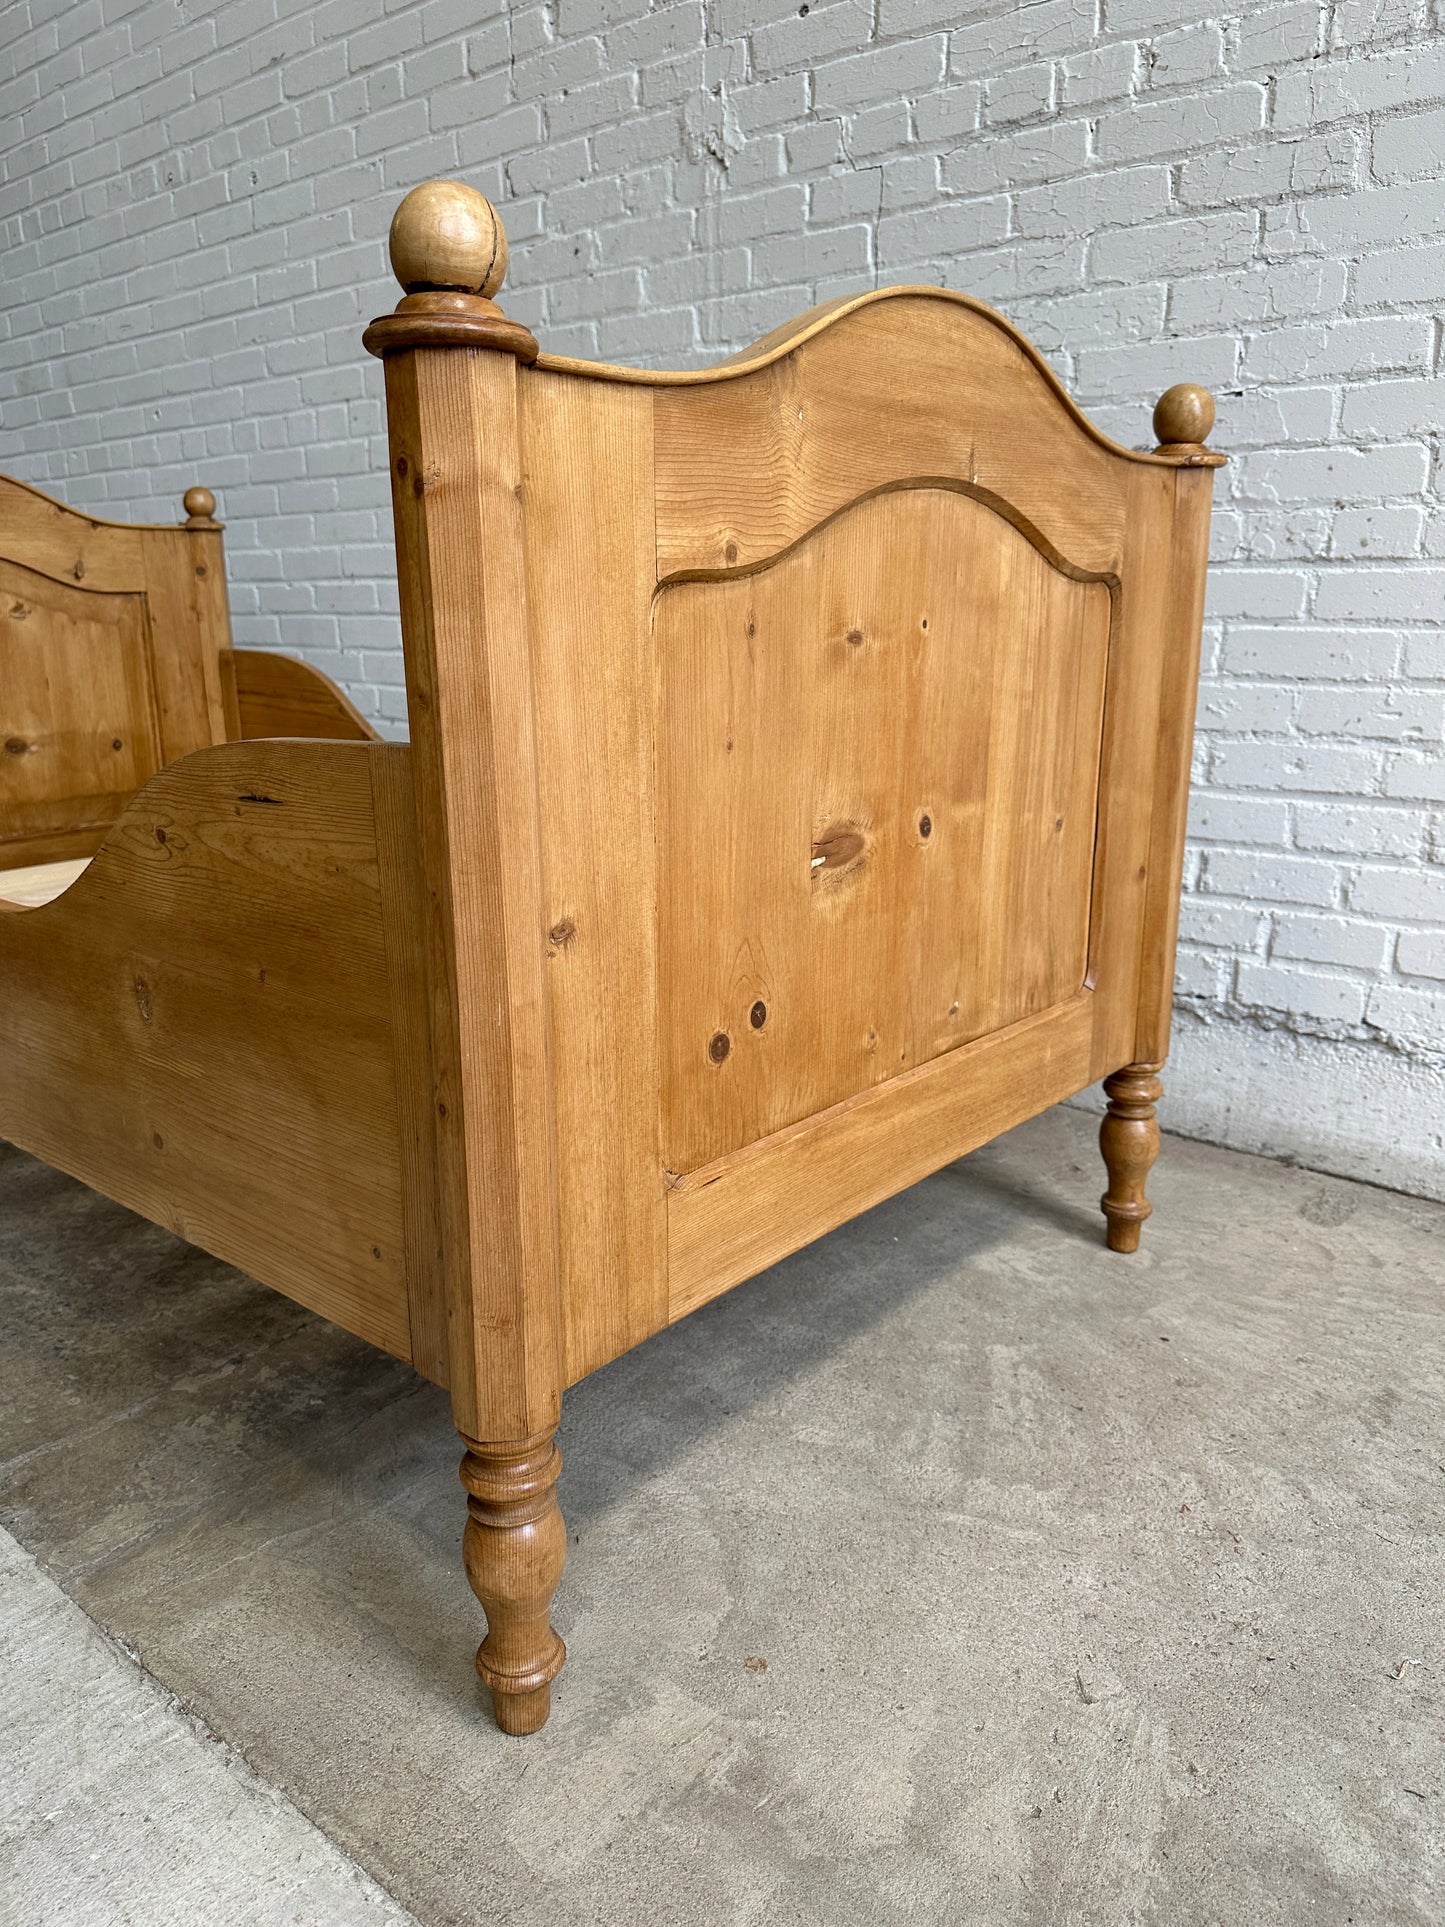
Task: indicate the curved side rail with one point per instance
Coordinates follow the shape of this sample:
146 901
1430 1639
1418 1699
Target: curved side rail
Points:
217 1024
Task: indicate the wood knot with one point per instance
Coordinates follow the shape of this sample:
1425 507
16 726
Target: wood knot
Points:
16 746
719 1044
854 638
758 1015
143 1000
840 847
925 826
561 934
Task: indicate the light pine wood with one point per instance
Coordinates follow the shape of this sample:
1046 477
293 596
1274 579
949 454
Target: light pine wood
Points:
283 696
514 1549
801 763
81 718
456 474
446 235
879 766
748 465
589 546
795 801
202 1026
116 660
1129 1140
730 1220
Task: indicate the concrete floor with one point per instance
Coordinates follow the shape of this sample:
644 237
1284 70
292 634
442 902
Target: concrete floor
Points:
1083 1583
117 1807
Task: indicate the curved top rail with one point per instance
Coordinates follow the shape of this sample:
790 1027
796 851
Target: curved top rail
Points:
194 518
802 328
449 253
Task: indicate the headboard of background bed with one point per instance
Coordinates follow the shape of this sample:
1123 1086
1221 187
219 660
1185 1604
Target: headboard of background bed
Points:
112 642
116 660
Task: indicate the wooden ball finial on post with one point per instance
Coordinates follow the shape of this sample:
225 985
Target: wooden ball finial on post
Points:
200 507
449 252
1183 417
447 236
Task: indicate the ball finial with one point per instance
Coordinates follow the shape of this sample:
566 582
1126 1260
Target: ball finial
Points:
446 235
199 504
1184 414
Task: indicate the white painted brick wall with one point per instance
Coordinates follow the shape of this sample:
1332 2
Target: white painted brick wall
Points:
194 199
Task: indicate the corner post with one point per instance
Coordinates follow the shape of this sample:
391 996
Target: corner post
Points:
1129 1135
454 421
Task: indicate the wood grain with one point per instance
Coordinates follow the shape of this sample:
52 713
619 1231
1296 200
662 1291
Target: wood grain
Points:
879 769
456 483
283 696
589 541
201 1026
78 709
747 466
735 1217
111 638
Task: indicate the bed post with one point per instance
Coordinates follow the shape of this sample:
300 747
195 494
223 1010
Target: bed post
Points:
453 364
1129 1134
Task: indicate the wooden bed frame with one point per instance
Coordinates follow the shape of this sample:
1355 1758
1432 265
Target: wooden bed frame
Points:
115 660
795 801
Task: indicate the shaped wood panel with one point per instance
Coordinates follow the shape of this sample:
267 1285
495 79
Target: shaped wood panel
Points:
879 778
81 727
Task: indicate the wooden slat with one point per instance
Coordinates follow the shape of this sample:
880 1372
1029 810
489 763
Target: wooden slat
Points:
41 882
201 1026
589 578
734 1218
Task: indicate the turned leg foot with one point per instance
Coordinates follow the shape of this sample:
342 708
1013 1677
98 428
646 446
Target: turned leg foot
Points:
1129 1140
515 1547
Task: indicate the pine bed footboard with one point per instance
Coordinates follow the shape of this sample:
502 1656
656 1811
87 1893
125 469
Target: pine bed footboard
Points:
801 751
795 801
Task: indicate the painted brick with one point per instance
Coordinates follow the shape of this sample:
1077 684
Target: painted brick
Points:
1265 168
1351 941
1337 474
1336 768
880 75
1340 655
1260 878
1383 344
1361 829
1421 953
1216 818
1409 593
1401 275
1144 132
1302 993
1408 1016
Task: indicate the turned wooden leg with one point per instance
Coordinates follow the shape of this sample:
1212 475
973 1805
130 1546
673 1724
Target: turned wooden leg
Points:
1129 1139
515 1547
